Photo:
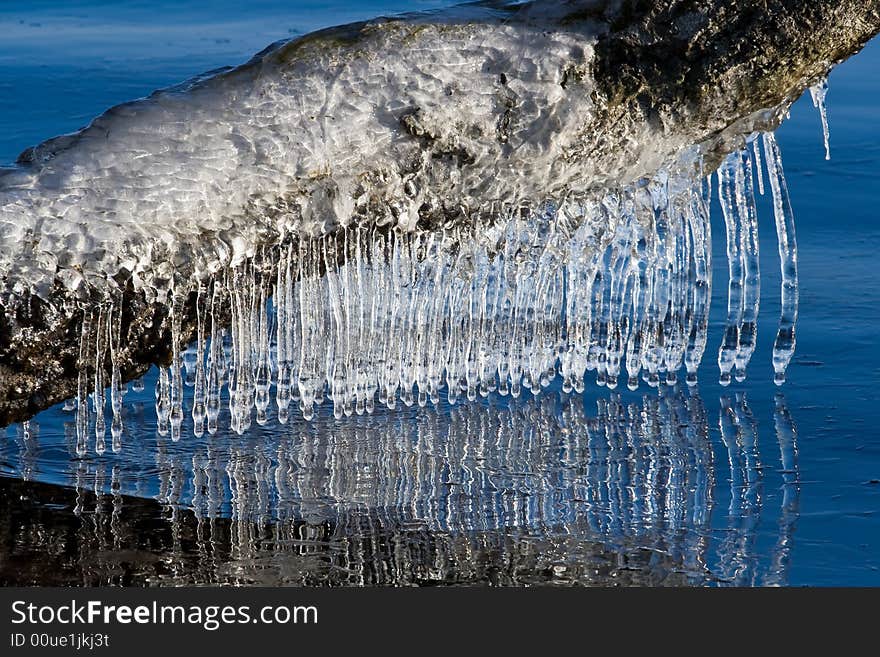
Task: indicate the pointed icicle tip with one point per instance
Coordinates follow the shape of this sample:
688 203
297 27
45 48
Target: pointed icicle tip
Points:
818 92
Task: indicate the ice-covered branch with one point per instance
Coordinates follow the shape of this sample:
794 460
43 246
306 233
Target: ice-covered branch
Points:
453 120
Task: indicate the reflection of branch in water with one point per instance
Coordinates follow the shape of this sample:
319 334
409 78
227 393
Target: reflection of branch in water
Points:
539 490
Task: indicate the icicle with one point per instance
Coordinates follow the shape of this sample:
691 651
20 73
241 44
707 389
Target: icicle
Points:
216 362
283 302
98 397
310 308
263 373
733 226
818 92
244 298
175 398
641 294
783 347
114 323
82 406
699 228
199 408
759 167
748 331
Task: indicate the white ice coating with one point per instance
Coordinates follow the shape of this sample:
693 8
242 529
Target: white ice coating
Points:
818 92
186 182
314 134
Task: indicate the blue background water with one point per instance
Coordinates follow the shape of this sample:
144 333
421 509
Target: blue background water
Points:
62 63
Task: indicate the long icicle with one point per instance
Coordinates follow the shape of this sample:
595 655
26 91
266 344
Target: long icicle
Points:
745 198
98 394
784 345
117 388
733 226
82 400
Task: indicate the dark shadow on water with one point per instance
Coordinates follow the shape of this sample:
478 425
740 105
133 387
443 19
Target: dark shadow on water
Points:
540 491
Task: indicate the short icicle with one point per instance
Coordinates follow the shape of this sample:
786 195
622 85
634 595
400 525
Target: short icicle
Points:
818 92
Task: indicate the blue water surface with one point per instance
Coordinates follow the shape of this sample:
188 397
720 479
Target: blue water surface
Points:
785 488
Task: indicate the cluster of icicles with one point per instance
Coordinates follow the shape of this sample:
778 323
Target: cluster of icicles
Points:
619 286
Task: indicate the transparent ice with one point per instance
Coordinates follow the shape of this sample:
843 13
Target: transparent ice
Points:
617 285
817 93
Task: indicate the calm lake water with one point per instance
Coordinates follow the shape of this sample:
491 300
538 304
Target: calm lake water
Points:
750 484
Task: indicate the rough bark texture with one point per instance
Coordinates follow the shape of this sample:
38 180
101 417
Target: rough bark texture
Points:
722 68
715 65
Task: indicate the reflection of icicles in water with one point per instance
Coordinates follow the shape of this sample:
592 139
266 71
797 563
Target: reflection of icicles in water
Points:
817 93
739 435
617 284
545 477
786 433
